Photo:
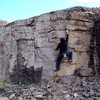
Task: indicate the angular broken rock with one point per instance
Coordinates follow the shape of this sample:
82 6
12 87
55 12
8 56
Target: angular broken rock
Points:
32 89
4 98
12 96
67 96
20 98
84 72
3 22
69 79
76 95
38 95
33 99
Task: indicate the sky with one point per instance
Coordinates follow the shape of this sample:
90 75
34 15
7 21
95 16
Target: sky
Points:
11 10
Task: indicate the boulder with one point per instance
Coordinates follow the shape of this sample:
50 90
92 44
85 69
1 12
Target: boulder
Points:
84 71
4 98
68 79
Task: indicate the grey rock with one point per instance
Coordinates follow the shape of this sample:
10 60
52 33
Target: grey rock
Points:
57 91
84 71
77 98
20 98
67 96
3 23
69 79
12 96
76 95
38 95
31 43
4 98
32 89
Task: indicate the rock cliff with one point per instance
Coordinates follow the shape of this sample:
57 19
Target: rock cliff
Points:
31 43
2 22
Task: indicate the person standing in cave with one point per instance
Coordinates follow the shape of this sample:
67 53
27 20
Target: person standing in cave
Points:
63 52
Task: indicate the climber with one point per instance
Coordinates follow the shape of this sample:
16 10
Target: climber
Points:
63 52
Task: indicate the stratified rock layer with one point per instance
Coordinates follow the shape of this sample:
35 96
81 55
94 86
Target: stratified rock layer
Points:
32 42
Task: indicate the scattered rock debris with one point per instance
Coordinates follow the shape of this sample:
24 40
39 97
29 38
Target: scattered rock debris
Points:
84 88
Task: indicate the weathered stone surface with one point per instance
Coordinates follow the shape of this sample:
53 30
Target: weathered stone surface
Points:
26 76
77 40
32 42
2 23
84 71
80 58
79 25
66 69
20 98
4 98
69 79
66 88
84 16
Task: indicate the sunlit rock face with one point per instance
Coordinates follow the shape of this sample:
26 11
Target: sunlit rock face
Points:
2 23
31 42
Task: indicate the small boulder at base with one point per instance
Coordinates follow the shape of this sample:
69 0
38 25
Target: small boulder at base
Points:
84 71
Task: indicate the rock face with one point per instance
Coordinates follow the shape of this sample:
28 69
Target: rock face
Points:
2 23
32 42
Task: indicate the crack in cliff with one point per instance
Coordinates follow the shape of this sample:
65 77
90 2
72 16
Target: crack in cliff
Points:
81 30
95 48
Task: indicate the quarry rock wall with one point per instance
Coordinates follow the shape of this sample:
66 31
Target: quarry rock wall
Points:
32 42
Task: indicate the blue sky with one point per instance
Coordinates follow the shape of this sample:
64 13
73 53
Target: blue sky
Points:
12 10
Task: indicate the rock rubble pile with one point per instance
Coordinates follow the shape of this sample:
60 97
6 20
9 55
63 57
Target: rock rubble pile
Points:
64 88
